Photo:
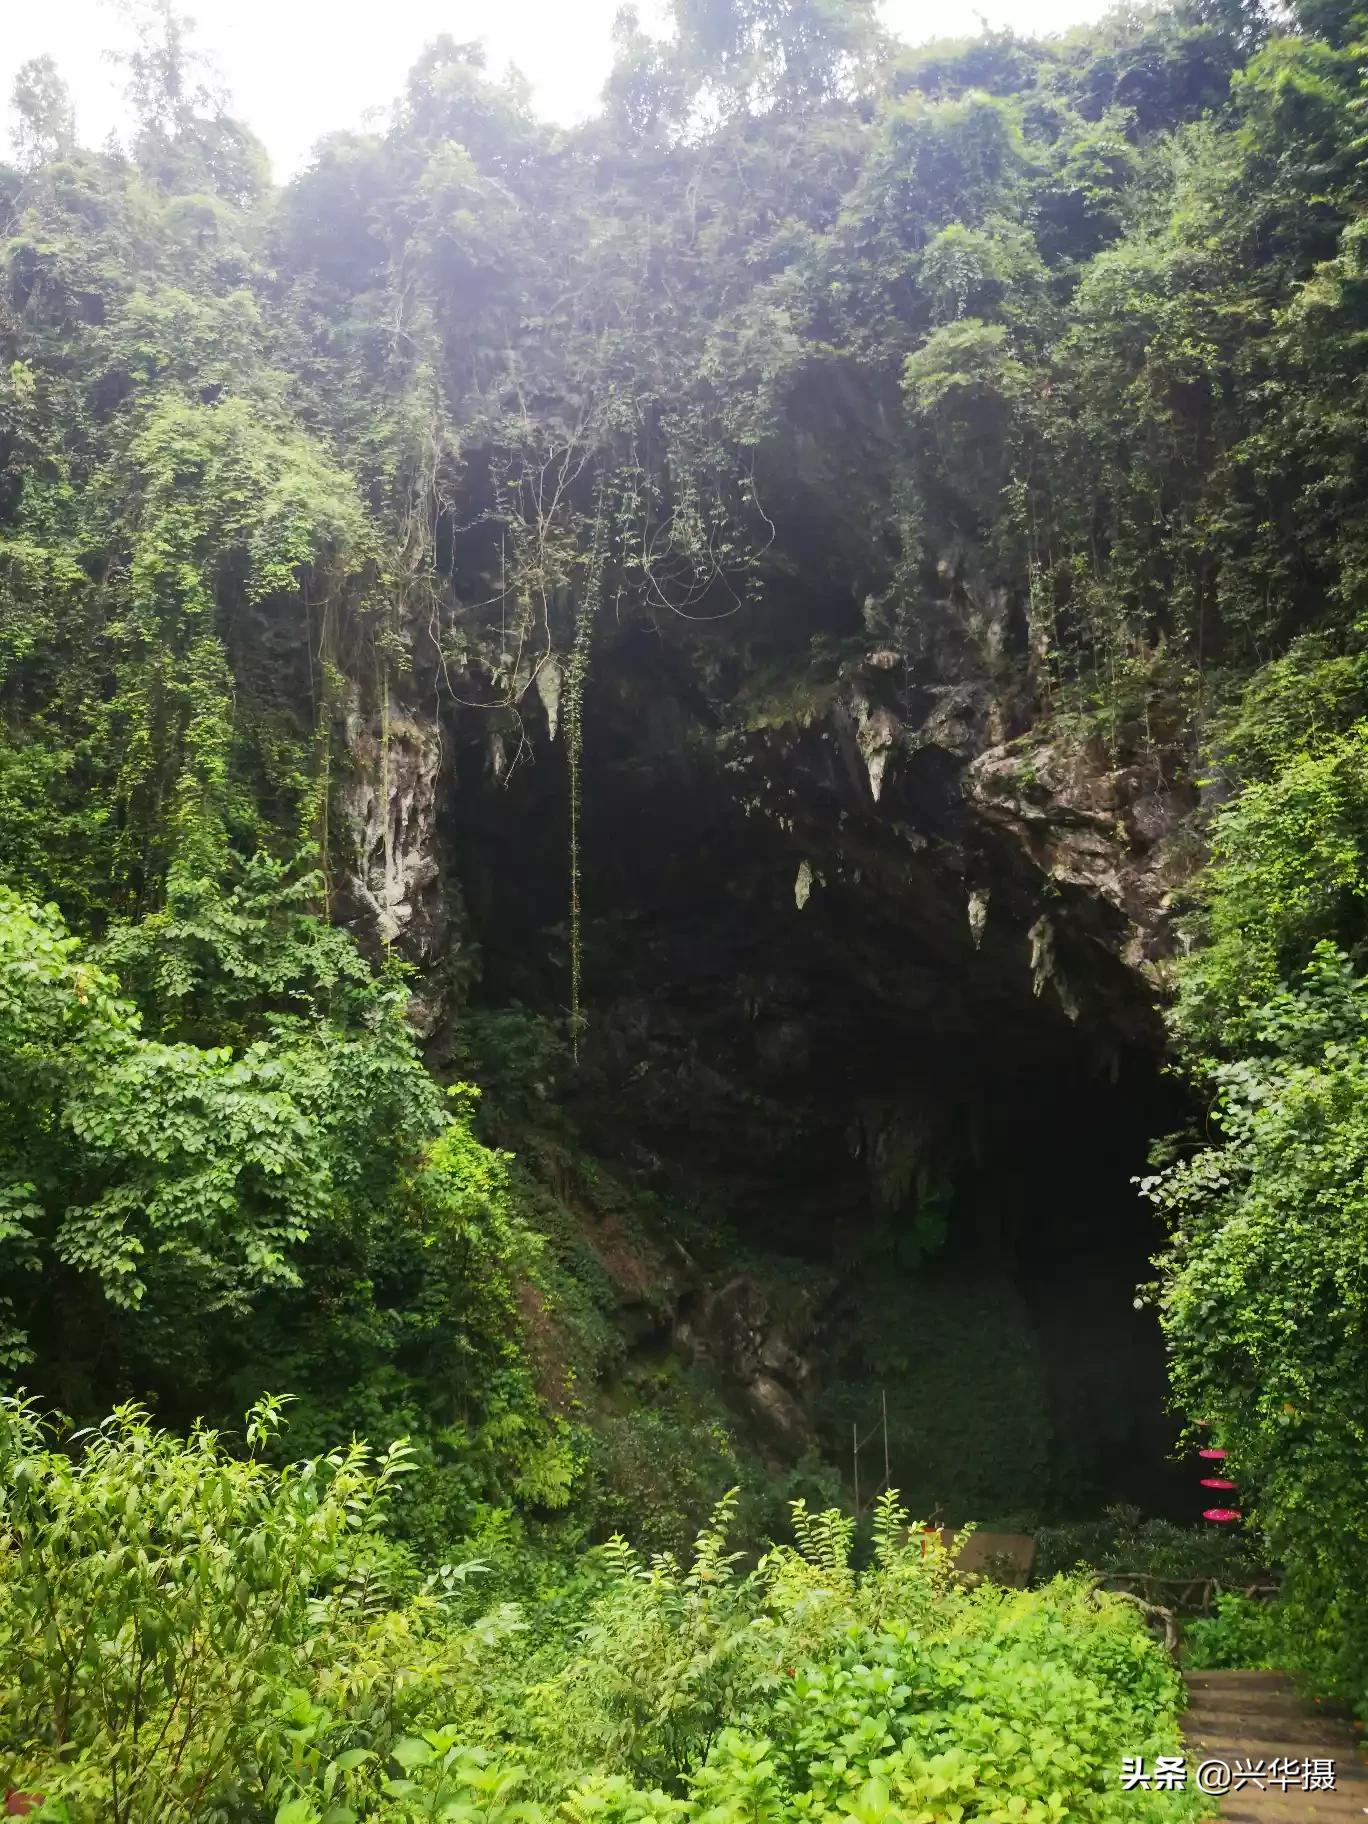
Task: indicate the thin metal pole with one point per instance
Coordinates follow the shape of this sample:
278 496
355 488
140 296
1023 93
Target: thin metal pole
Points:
855 1460
888 1472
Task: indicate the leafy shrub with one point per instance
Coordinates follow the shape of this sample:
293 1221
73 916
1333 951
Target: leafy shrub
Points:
174 1179
1263 1293
801 1689
910 1336
1281 1375
1242 1633
1124 1541
186 1634
300 1204
659 1472
166 1608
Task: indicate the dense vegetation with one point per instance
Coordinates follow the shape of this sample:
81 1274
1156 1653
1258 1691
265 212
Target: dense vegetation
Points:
292 480
1263 1289
189 1634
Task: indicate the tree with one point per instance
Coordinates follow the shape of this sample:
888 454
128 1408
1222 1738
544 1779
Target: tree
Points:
165 1605
186 140
46 121
164 82
789 54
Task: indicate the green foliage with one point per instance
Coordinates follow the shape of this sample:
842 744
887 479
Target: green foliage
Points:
231 959
1263 1297
186 1633
1105 331
1288 873
660 1466
46 119
1262 1288
165 1609
177 1178
963 361
908 1339
1122 1540
1242 1633
1298 703
662 1451
802 1689
277 1158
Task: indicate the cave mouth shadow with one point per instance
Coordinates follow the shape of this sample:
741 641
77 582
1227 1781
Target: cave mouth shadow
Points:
986 1243
867 1098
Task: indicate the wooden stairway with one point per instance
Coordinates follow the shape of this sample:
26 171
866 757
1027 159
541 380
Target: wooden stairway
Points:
1244 1718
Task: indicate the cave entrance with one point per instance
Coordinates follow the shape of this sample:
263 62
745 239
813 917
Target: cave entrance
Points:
925 1154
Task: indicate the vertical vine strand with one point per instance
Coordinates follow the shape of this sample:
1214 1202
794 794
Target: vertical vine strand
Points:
576 672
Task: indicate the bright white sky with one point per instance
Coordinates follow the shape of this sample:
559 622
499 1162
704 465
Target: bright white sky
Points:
297 69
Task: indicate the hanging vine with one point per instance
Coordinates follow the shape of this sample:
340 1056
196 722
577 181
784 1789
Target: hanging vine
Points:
575 674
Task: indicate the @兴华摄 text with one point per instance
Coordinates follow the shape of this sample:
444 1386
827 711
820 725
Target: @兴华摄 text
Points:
1171 1773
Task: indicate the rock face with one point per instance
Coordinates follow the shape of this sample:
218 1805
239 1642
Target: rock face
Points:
895 777
837 880
735 1329
877 735
391 889
1117 834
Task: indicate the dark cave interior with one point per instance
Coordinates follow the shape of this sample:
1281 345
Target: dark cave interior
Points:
868 1098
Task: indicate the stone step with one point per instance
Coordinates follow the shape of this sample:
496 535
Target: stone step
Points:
1252 1748
1258 1701
1292 1808
1277 1807
1241 1694
1258 1716
1237 1681
1230 1724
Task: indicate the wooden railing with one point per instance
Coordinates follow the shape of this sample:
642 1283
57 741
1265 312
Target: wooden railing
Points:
1184 1595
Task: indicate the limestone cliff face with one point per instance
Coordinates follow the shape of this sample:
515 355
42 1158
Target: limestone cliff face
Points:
1029 865
902 787
1121 835
392 887
884 751
873 960
735 1328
